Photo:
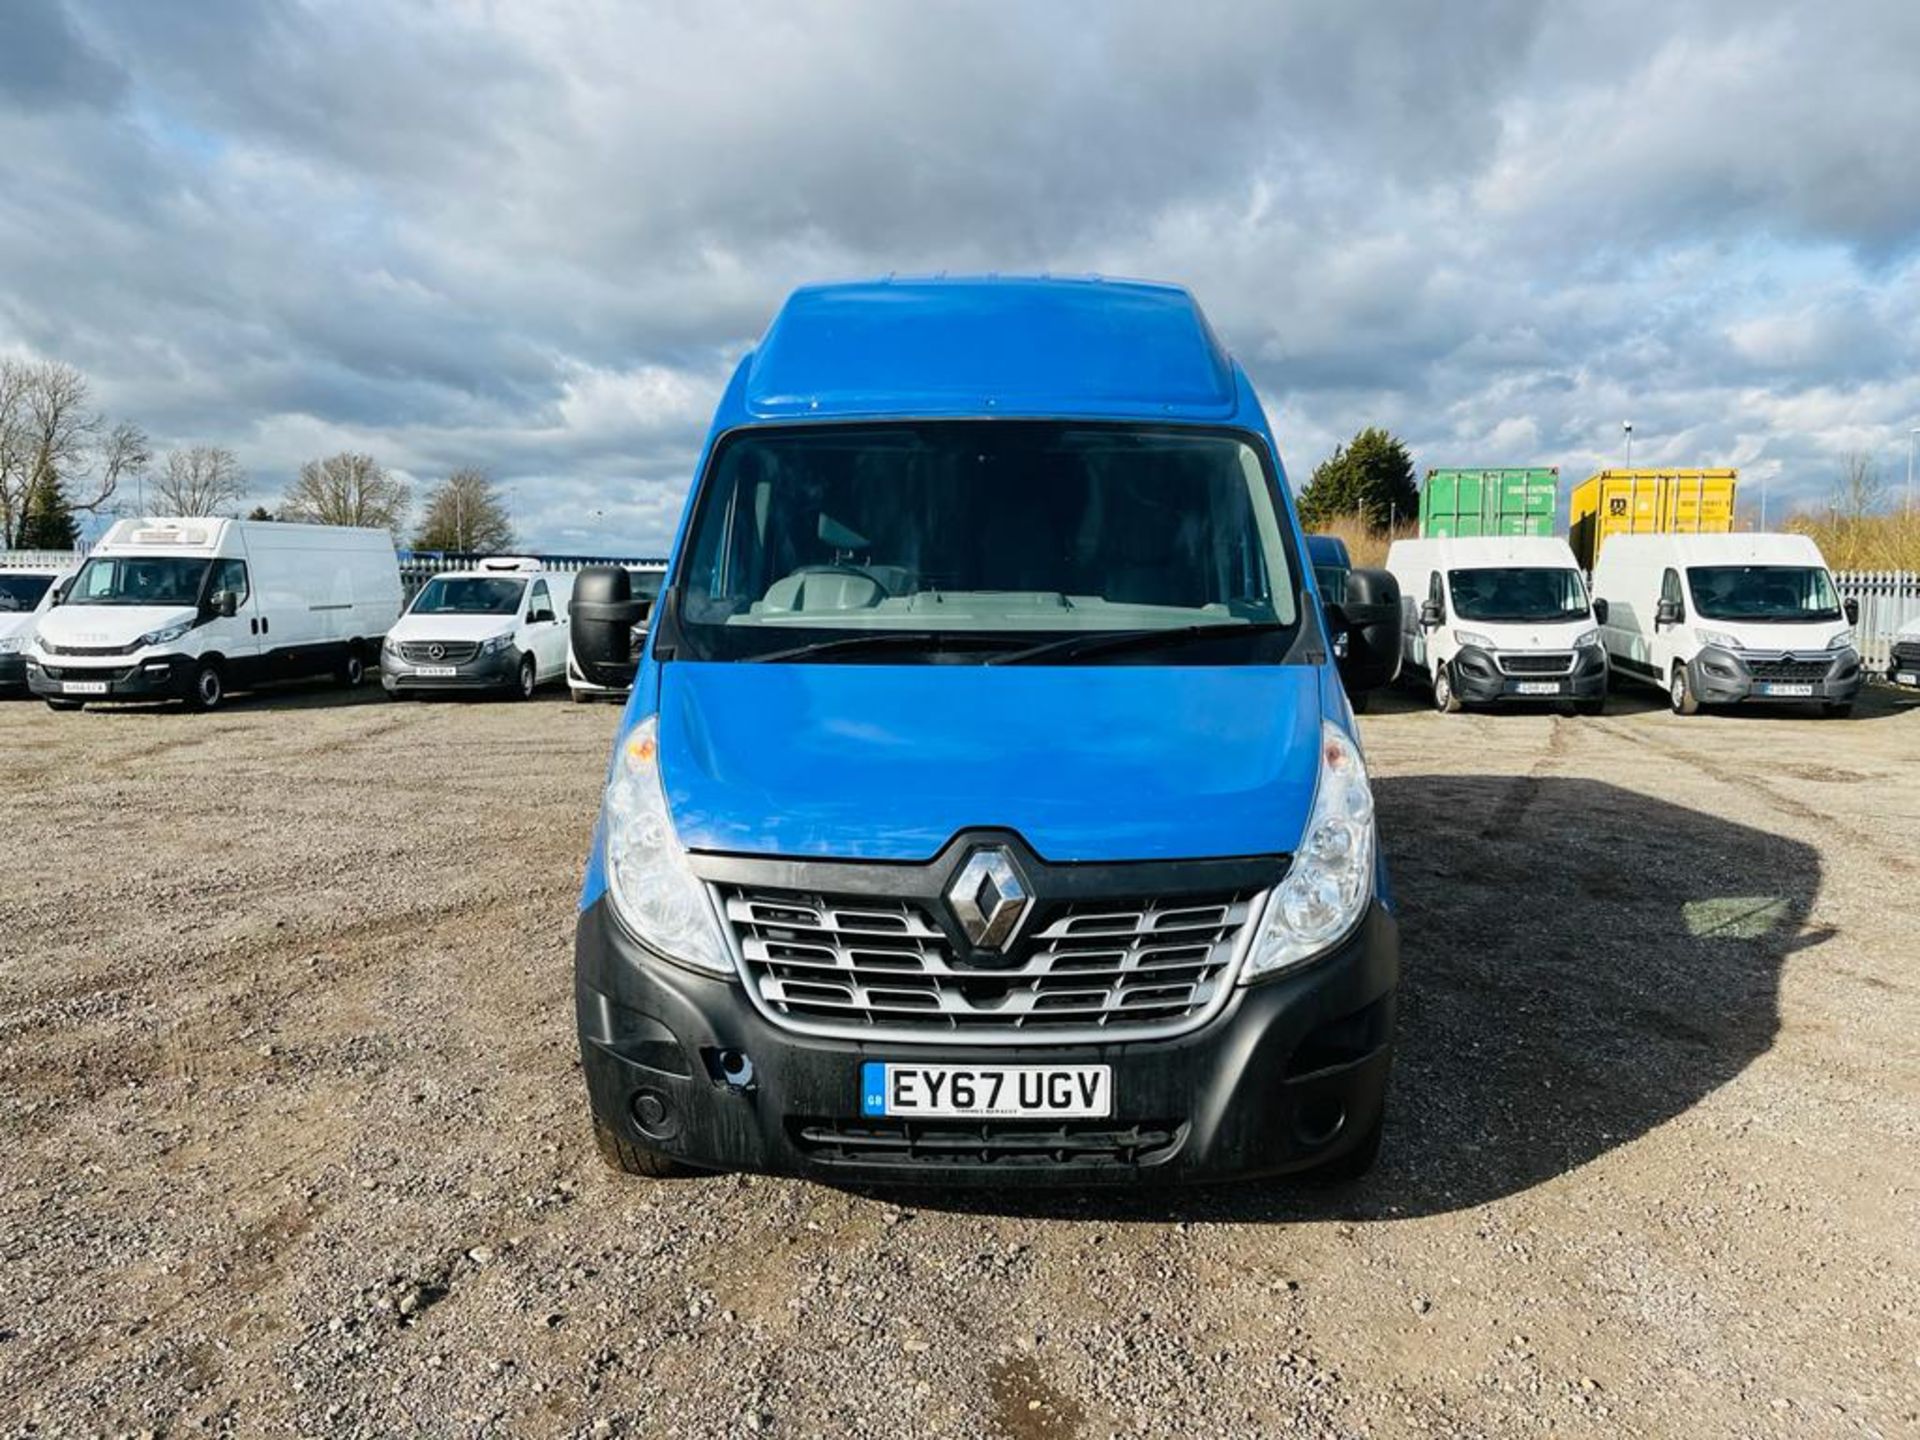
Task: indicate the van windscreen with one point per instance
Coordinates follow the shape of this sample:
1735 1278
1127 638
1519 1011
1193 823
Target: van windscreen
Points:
468 595
1520 595
22 591
957 540
1781 593
138 580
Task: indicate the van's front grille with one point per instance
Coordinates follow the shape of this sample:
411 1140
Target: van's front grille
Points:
1557 662
1787 667
94 650
438 652
1096 1144
1906 654
856 965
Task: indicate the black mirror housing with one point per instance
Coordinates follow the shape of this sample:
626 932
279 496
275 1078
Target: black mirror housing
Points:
603 613
1668 612
1431 615
1599 612
1851 607
1370 614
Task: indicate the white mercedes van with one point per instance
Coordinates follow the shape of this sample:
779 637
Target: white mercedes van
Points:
26 593
501 626
587 679
1498 619
193 608
1725 619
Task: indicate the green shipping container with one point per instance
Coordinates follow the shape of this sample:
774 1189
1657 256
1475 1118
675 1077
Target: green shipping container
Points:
1489 502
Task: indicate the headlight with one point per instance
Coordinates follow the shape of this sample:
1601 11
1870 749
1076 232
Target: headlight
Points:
497 644
1330 881
654 891
390 645
164 634
1591 637
1842 641
1475 638
12 644
1716 637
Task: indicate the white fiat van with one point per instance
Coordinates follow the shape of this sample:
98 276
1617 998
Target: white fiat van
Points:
190 609
26 593
501 626
1724 619
1499 619
586 679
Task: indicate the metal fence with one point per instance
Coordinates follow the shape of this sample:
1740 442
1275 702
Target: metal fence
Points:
41 559
1888 600
418 566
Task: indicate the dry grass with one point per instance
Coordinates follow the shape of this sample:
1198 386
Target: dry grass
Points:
1367 546
1872 542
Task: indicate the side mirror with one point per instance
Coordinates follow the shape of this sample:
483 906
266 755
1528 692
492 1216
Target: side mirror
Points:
1599 612
1851 607
1668 612
1369 613
1431 615
226 604
603 613
58 596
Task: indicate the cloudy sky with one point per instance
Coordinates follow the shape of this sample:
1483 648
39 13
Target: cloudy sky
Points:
536 236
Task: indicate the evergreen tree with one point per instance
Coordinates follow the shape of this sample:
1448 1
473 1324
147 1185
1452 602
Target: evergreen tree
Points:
46 522
1370 477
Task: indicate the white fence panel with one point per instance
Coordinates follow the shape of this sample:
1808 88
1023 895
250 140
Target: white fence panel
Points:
1888 600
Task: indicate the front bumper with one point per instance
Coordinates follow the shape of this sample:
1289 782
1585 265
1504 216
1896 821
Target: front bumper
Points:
1292 1073
151 677
1728 677
498 671
1479 679
13 671
1904 666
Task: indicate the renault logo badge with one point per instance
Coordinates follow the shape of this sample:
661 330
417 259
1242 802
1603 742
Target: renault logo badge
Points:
989 897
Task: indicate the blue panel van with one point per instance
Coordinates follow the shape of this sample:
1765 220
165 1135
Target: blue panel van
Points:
988 809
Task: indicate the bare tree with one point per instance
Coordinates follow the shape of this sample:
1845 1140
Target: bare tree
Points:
51 436
1861 490
346 489
465 513
202 480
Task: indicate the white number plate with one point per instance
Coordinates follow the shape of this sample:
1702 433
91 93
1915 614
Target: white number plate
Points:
83 687
954 1092
1776 688
1907 677
435 671
1538 687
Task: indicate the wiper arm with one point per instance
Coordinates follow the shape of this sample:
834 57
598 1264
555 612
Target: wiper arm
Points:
936 640
1106 642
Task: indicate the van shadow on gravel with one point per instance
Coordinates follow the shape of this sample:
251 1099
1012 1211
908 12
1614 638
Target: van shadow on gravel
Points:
1580 964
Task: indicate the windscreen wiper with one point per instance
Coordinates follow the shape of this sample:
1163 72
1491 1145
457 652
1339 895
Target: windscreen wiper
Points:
1106 642
932 640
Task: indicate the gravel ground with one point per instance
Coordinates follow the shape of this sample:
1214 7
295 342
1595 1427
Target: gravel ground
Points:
295 1141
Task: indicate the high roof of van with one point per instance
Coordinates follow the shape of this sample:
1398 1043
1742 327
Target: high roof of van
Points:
1471 552
987 346
1747 547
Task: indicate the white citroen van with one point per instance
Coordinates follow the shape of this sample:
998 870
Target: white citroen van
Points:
1497 619
27 591
588 680
501 626
193 608
1724 619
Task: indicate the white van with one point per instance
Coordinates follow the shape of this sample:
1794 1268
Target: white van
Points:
190 609
499 626
646 583
1720 619
27 590
1497 619
1903 663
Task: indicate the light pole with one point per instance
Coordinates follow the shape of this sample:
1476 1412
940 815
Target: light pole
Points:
1627 425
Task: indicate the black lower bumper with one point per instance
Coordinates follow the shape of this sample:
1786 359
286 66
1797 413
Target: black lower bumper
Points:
1726 677
13 672
1479 678
1291 1074
155 677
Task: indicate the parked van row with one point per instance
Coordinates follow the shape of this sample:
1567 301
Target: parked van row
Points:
27 591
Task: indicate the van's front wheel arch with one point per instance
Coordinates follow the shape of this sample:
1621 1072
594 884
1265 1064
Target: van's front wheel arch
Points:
527 680
209 686
1680 692
1445 698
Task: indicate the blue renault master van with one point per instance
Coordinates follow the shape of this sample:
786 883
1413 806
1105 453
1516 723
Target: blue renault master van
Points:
988 809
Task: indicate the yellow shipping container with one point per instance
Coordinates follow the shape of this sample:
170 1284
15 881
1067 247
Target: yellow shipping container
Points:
1642 502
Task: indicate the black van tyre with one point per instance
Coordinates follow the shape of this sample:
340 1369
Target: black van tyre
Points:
1680 694
353 669
1356 1162
65 704
527 681
1444 698
631 1159
209 687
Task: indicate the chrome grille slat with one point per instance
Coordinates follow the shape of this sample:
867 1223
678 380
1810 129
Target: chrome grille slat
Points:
856 965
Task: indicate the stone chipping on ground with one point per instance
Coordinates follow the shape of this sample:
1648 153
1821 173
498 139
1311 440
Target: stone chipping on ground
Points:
295 1140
